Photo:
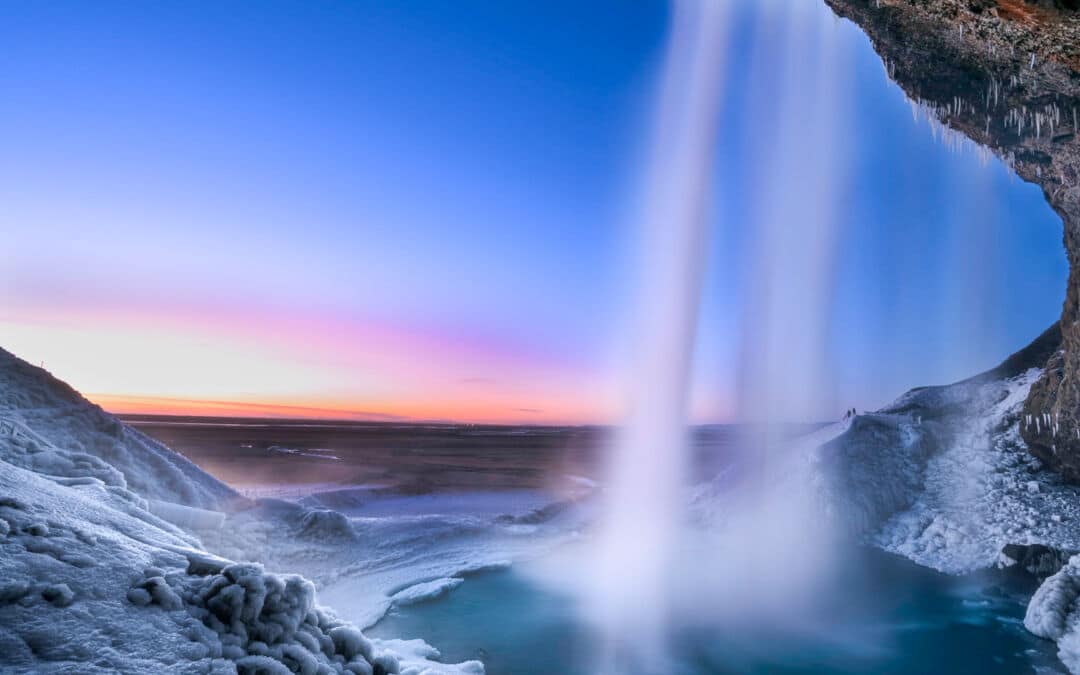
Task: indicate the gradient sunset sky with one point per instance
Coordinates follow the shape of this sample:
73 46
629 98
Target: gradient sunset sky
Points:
418 210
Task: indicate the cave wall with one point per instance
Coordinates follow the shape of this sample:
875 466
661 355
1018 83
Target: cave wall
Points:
1005 74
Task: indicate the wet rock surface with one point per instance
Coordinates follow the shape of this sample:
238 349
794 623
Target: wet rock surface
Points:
1036 559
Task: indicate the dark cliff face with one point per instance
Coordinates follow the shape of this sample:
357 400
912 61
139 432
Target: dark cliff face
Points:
1006 74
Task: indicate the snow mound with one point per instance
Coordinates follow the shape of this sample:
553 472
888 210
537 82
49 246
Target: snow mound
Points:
63 434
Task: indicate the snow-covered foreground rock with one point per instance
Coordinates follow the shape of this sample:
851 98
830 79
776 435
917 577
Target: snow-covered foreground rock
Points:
104 568
91 584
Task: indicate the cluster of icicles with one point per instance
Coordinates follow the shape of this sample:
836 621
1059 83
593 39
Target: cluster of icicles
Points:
1035 123
1052 423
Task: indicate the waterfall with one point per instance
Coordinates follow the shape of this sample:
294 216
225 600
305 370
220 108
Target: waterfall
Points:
647 475
793 206
645 582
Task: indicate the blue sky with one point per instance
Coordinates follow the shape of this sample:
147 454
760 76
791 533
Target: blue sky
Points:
458 171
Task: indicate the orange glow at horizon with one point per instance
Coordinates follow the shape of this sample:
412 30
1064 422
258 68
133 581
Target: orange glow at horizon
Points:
277 365
436 412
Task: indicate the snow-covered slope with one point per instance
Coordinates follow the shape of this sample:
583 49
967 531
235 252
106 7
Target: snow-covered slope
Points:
103 567
942 477
67 435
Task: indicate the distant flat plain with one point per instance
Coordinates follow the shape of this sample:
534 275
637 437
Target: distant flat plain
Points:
411 458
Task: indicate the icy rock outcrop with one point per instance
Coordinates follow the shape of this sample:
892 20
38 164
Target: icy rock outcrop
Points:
66 557
1054 614
1036 559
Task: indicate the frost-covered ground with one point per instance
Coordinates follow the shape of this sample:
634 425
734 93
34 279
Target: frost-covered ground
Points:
104 564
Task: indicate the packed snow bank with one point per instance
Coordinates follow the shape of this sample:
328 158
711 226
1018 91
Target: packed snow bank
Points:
64 434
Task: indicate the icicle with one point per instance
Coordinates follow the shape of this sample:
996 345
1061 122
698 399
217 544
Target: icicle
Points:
1032 59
